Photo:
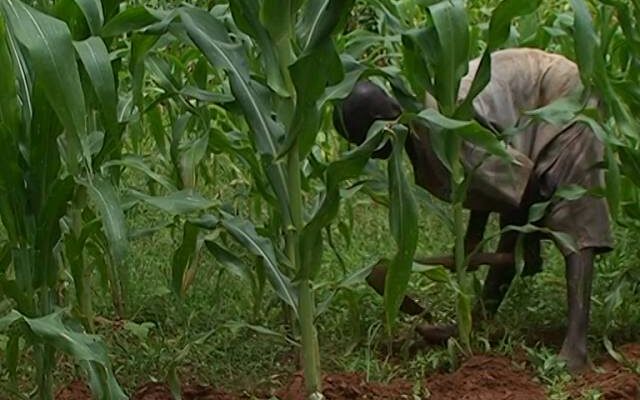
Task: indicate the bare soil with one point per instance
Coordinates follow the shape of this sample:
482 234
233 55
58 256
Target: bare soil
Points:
486 377
481 377
614 381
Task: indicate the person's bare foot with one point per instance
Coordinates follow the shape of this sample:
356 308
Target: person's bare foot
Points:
576 358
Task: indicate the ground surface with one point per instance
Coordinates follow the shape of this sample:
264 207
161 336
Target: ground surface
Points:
480 377
224 346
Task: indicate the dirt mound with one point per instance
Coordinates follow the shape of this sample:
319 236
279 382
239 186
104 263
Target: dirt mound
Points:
481 377
76 390
347 387
485 378
614 381
160 391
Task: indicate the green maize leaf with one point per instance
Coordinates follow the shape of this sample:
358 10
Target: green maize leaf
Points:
190 159
8 320
499 31
537 211
357 42
104 196
571 192
211 37
48 42
174 380
357 277
156 126
319 20
137 163
629 25
10 128
613 181
53 208
276 18
177 203
246 14
205 95
587 41
160 70
469 130
630 164
559 112
414 65
92 11
141 45
229 261
235 326
353 70
436 208
184 258
432 272
450 20
95 57
403 220
619 357
603 134
9 110
309 88
145 232
245 233
126 110
88 350
24 82
350 166
69 12
129 20
5 257
501 17
13 357
563 238
205 221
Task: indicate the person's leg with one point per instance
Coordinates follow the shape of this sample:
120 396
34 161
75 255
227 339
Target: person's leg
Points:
499 278
495 286
579 274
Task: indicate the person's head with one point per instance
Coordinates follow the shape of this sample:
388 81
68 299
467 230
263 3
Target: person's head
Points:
365 104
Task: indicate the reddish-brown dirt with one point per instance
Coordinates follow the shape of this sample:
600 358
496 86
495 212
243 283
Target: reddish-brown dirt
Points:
615 381
481 377
159 391
486 378
347 387
76 390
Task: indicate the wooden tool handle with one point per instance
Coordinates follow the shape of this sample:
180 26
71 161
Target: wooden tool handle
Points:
502 260
376 277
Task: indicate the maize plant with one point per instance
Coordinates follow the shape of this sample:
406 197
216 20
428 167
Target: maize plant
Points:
52 135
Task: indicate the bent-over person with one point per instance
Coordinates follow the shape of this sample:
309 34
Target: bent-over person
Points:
545 158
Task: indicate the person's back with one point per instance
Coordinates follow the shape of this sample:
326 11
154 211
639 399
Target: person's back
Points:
522 80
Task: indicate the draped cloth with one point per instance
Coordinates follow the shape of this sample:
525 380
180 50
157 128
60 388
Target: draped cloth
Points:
552 156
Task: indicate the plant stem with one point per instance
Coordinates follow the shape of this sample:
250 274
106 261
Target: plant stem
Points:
78 266
463 311
306 306
46 353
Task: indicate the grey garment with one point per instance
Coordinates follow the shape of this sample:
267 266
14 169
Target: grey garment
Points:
552 156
